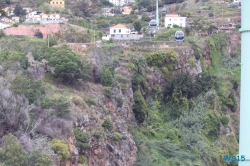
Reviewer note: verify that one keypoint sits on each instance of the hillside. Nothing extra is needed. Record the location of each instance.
(68, 99)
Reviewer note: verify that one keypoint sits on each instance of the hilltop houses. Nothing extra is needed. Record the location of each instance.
(174, 19)
(41, 17)
(121, 32)
(107, 12)
(120, 2)
(57, 3)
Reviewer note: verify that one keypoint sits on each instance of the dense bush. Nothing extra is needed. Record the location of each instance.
(167, 35)
(67, 64)
(107, 124)
(61, 149)
(139, 83)
(224, 120)
(139, 108)
(12, 56)
(33, 90)
(211, 125)
(60, 106)
(106, 76)
(163, 58)
(182, 86)
(12, 153)
(82, 139)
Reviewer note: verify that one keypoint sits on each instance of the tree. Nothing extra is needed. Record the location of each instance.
(106, 76)
(137, 25)
(139, 62)
(67, 65)
(12, 153)
(18, 11)
(139, 108)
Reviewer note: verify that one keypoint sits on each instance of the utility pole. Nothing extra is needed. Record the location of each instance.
(157, 13)
(48, 40)
(244, 135)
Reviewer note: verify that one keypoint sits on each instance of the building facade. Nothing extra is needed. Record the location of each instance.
(119, 29)
(2, 25)
(58, 3)
(120, 2)
(171, 20)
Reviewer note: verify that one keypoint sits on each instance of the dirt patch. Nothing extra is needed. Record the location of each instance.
(30, 30)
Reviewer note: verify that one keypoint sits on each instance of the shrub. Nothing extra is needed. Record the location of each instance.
(79, 102)
(61, 149)
(191, 62)
(106, 76)
(98, 134)
(91, 101)
(117, 137)
(51, 40)
(80, 136)
(2, 34)
(33, 90)
(12, 153)
(224, 120)
(37, 158)
(232, 103)
(162, 58)
(211, 125)
(108, 92)
(107, 124)
(119, 101)
(83, 159)
(60, 105)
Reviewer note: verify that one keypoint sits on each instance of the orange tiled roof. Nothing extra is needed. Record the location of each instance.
(119, 26)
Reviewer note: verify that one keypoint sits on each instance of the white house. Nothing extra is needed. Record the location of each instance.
(119, 29)
(120, 2)
(15, 19)
(121, 32)
(173, 19)
(2, 25)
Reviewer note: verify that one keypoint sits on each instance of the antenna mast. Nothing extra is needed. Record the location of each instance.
(157, 13)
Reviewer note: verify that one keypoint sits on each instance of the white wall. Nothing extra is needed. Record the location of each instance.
(170, 21)
(119, 31)
(2, 26)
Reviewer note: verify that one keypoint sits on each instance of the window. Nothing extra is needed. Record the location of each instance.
(120, 30)
(114, 31)
(53, 2)
(56, 2)
(169, 19)
(60, 2)
(121, 36)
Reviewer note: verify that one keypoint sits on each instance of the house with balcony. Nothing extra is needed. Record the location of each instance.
(174, 19)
